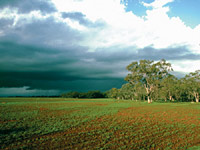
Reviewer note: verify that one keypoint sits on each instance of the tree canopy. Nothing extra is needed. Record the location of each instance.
(149, 74)
(149, 80)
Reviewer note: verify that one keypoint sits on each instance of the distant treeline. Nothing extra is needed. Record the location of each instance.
(89, 94)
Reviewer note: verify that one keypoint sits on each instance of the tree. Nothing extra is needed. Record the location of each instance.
(148, 73)
(168, 87)
(113, 93)
(94, 94)
(71, 95)
(89, 94)
(133, 92)
(193, 84)
(180, 90)
(126, 91)
(139, 91)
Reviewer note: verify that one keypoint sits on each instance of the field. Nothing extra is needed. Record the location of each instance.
(58, 123)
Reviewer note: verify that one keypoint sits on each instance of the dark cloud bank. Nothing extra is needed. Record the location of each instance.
(47, 69)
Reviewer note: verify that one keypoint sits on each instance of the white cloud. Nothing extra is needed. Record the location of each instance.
(157, 3)
(8, 13)
(155, 29)
(123, 28)
(186, 66)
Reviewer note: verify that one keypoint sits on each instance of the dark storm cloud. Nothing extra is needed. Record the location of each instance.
(26, 6)
(75, 16)
(81, 18)
(114, 54)
(44, 54)
(178, 53)
(45, 68)
(5, 23)
(56, 80)
(38, 68)
(39, 61)
(43, 32)
(68, 72)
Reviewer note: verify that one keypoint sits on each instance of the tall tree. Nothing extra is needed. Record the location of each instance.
(126, 91)
(113, 93)
(180, 90)
(193, 84)
(169, 87)
(148, 73)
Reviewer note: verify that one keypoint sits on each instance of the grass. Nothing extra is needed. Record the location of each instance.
(58, 123)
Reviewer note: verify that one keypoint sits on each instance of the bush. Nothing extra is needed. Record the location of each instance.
(89, 94)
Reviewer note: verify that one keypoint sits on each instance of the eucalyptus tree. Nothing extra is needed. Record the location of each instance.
(113, 93)
(127, 91)
(193, 84)
(133, 92)
(169, 86)
(148, 73)
(139, 91)
(180, 91)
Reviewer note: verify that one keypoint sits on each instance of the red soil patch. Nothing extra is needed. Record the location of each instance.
(6, 121)
(100, 104)
(42, 109)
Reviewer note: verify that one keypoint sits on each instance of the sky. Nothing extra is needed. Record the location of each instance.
(48, 47)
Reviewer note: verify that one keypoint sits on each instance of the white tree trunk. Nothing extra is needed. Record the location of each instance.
(197, 98)
(149, 100)
(170, 98)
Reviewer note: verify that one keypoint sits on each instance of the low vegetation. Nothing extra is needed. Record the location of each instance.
(62, 123)
(89, 94)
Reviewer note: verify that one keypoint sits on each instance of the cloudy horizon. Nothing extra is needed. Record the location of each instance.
(51, 46)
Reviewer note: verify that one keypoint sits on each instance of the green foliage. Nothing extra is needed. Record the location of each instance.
(71, 95)
(149, 74)
(89, 94)
(149, 80)
(192, 81)
(113, 93)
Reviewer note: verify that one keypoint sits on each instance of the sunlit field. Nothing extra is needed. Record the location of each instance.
(58, 123)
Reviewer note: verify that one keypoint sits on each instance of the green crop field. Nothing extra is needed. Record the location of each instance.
(58, 123)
